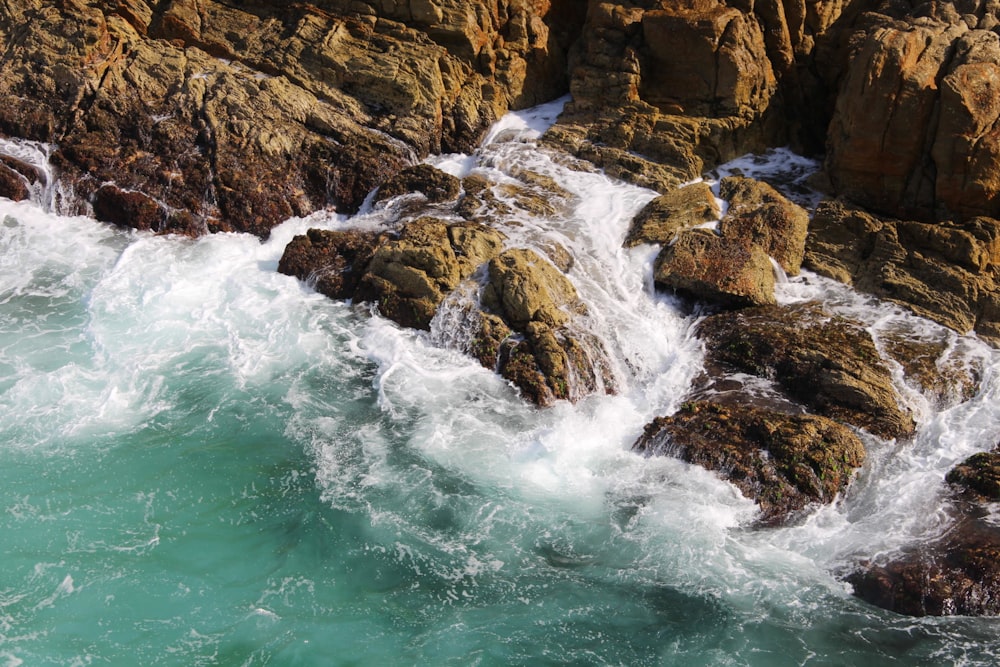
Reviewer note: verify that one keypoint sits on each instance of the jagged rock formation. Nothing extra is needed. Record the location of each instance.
(913, 134)
(946, 272)
(204, 115)
(518, 321)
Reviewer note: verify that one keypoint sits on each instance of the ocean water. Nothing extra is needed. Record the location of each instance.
(203, 462)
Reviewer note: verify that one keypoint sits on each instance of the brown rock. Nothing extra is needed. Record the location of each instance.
(827, 362)
(707, 266)
(944, 272)
(762, 216)
(958, 574)
(13, 185)
(128, 209)
(525, 288)
(435, 185)
(784, 462)
(662, 218)
(978, 475)
(333, 261)
(241, 116)
(912, 132)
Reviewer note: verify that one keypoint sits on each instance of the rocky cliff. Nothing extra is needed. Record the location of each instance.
(198, 116)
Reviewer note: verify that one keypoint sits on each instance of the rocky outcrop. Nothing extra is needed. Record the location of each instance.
(518, 317)
(226, 117)
(979, 475)
(784, 462)
(946, 272)
(826, 362)
(662, 219)
(730, 265)
(664, 91)
(912, 135)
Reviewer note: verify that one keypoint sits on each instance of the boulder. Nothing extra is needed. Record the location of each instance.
(945, 271)
(761, 216)
(665, 216)
(958, 574)
(128, 209)
(827, 362)
(409, 276)
(13, 185)
(784, 462)
(978, 475)
(332, 261)
(524, 288)
(703, 265)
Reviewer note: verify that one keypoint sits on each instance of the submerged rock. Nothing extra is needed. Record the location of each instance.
(827, 362)
(784, 462)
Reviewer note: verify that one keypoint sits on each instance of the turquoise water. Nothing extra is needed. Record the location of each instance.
(203, 462)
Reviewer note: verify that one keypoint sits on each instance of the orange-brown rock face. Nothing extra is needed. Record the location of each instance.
(914, 132)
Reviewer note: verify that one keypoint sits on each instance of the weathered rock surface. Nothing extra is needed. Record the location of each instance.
(945, 272)
(913, 132)
(705, 265)
(519, 322)
(978, 475)
(664, 91)
(782, 461)
(332, 261)
(759, 215)
(957, 573)
(730, 266)
(826, 362)
(667, 215)
(242, 116)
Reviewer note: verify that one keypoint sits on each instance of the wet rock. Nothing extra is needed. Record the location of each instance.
(759, 215)
(957, 574)
(944, 271)
(936, 367)
(662, 218)
(524, 288)
(128, 209)
(784, 462)
(408, 277)
(978, 475)
(827, 362)
(434, 184)
(332, 261)
(242, 116)
(703, 265)
(13, 185)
